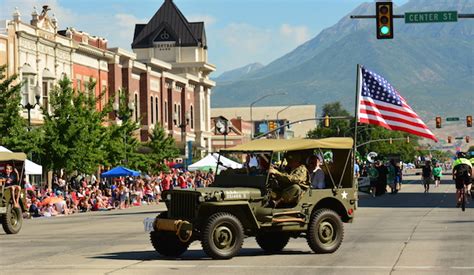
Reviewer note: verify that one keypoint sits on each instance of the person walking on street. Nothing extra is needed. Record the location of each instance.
(437, 173)
(427, 176)
(391, 177)
(373, 176)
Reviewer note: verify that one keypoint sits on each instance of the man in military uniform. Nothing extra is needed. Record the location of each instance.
(288, 186)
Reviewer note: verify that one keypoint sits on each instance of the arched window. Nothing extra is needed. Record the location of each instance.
(151, 110)
(136, 107)
(191, 109)
(157, 104)
(166, 111)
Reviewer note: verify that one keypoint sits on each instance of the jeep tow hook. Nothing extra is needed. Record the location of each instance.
(183, 229)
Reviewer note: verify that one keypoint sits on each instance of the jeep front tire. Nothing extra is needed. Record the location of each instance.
(167, 243)
(12, 220)
(222, 236)
(325, 231)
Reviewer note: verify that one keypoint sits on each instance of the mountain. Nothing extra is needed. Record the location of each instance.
(238, 73)
(431, 65)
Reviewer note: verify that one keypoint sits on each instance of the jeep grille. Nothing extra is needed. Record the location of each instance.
(183, 205)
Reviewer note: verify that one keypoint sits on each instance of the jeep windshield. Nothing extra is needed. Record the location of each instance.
(251, 169)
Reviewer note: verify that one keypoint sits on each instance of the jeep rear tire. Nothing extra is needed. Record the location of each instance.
(12, 220)
(167, 243)
(325, 231)
(222, 236)
(272, 241)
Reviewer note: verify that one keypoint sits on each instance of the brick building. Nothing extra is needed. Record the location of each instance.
(166, 75)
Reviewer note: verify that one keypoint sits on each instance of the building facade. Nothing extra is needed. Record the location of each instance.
(166, 75)
(186, 88)
(265, 118)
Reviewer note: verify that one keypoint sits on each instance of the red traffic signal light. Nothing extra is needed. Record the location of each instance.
(469, 121)
(438, 122)
(384, 20)
(449, 139)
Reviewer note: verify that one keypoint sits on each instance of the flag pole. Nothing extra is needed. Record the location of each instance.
(356, 113)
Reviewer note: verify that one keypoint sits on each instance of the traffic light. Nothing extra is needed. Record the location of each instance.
(469, 121)
(468, 139)
(384, 18)
(449, 139)
(326, 121)
(438, 122)
(271, 125)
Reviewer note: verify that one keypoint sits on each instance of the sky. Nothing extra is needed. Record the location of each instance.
(239, 32)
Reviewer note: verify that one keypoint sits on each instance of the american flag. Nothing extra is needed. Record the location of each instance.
(381, 104)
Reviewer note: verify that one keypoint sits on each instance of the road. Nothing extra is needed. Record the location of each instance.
(407, 233)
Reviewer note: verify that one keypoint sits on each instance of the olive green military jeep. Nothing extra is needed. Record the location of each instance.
(237, 204)
(10, 216)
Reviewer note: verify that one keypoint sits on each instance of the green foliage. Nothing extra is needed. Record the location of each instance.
(161, 147)
(337, 127)
(75, 135)
(14, 132)
(121, 146)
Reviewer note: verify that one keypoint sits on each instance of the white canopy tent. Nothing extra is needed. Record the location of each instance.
(210, 161)
(31, 168)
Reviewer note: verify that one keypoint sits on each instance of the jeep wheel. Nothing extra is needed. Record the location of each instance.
(167, 243)
(325, 232)
(272, 241)
(222, 236)
(12, 220)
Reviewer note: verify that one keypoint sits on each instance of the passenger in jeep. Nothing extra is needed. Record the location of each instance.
(288, 186)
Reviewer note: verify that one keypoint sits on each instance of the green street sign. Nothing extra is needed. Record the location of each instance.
(459, 138)
(452, 119)
(431, 17)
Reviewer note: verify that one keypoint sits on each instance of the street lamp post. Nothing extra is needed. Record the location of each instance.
(182, 125)
(124, 115)
(251, 106)
(28, 106)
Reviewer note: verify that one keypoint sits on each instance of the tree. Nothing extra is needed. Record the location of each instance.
(121, 146)
(337, 127)
(75, 134)
(14, 132)
(161, 147)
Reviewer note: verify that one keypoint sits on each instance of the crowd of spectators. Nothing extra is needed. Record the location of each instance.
(86, 193)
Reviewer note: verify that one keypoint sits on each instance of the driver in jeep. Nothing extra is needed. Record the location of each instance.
(288, 186)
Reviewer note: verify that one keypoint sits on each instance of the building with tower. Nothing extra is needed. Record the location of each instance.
(184, 92)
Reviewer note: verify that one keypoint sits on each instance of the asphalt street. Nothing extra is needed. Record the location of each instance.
(407, 233)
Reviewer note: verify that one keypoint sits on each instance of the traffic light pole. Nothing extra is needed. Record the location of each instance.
(462, 15)
(299, 121)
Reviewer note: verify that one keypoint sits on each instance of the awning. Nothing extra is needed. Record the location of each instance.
(283, 145)
(31, 168)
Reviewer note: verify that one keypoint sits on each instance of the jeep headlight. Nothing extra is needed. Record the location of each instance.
(201, 199)
(168, 197)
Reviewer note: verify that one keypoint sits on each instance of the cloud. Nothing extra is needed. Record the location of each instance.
(66, 17)
(126, 24)
(208, 20)
(239, 44)
(299, 33)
